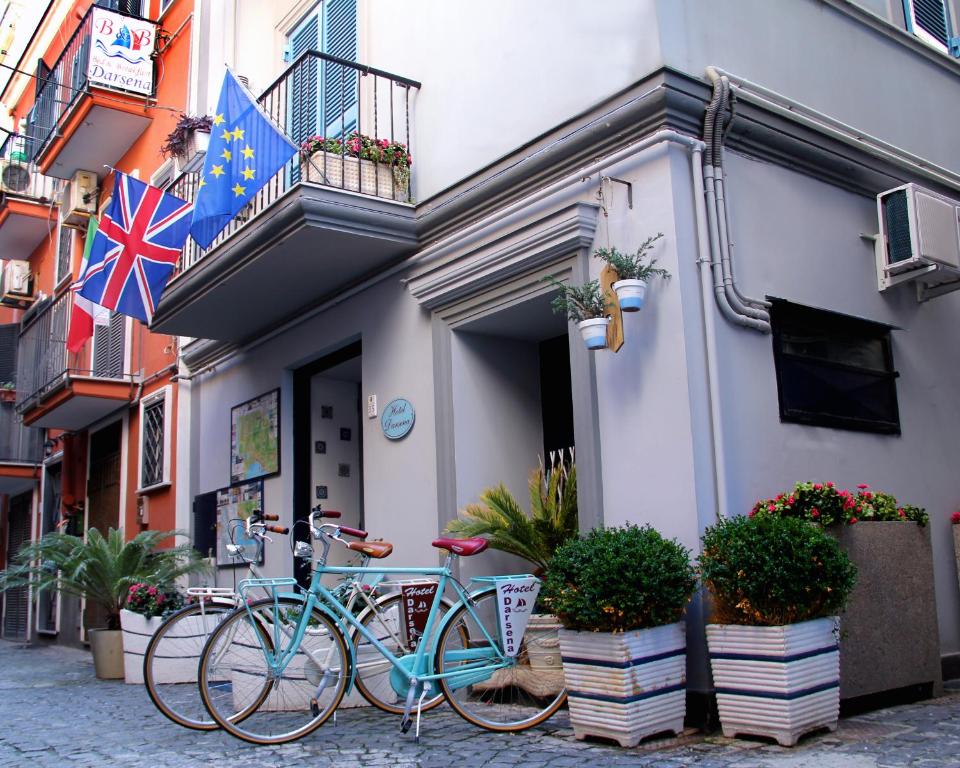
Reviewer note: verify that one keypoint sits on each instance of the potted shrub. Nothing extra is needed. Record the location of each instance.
(585, 305)
(620, 594)
(535, 537)
(381, 168)
(890, 621)
(101, 570)
(777, 584)
(634, 273)
(188, 141)
(146, 606)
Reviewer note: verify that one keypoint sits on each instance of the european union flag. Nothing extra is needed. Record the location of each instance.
(246, 150)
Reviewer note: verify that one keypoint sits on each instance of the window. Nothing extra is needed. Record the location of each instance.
(834, 370)
(155, 414)
(131, 7)
(929, 20)
(64, 253)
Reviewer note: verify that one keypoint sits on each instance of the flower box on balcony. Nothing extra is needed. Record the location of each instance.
(360, 164)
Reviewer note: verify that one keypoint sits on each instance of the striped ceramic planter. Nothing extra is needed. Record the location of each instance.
(180, 659)
(780, 682)
(625, 686)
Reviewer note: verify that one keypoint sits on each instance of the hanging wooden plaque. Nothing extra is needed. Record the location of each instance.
(615, 330)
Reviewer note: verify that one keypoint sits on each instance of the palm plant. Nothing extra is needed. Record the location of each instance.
(101, 569)
(534, 537)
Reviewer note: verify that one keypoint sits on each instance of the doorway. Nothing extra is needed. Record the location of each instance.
(103, 498)
(16, 602)
(328, 443)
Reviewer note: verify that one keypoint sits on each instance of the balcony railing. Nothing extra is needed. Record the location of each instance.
(66, 83)
(331, 97)
(43, 360)
(19, 178)
(18, 444)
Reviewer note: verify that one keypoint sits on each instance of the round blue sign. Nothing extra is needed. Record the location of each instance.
(397, 418)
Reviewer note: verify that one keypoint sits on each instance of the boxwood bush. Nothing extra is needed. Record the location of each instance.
(768, 571)
(618, 579)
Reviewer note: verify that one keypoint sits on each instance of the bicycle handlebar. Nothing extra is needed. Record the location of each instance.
(270, 517)
(277, 529)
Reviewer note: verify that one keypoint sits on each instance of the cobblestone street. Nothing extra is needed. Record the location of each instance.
(56, 713)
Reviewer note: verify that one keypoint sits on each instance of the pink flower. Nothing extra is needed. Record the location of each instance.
(791, 499)
(868, 495)
(751, 513)
(771, 507)
(159, 599)
(852, 520)
(904, 514)
(863, 486)
(849, 504)
(151, 591)
(814, 513)
(955, 518)
(829, 484)
(818, 486)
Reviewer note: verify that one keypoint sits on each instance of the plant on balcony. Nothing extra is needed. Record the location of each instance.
(827, 505)
(633, 271)
(179, 140)
(587, 306)
(392, 156)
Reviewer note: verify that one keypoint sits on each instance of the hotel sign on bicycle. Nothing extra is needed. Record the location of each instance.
(515, 600)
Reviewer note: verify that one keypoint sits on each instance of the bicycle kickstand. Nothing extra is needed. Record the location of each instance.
(426, 689)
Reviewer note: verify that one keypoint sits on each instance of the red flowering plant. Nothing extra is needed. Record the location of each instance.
(826, 505)
(955, 518)
(152, 600)
(392, 153)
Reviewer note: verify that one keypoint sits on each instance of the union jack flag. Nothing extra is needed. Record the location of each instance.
(136, 247)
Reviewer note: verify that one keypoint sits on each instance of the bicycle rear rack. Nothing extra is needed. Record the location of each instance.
(269, 586)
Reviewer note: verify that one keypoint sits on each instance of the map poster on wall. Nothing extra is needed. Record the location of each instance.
(234, 505)
(255, 438)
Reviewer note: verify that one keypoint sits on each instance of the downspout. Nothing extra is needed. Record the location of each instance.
(733, 307)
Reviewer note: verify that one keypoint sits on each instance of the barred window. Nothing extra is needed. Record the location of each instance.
(64, 252)
(155, 439)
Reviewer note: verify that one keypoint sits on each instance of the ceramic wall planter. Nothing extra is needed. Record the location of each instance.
(630, 294)
(594, 332)
(107, 647)
(780, 682)
(890, 623)
(626, 686)
(354, 175)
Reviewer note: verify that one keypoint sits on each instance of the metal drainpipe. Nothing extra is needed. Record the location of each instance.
(715, 201)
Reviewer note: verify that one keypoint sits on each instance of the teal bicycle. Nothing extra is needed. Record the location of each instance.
(266, 686)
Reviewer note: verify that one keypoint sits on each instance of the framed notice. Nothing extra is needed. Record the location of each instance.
(234, 506)
(255, 438)
(121, 52)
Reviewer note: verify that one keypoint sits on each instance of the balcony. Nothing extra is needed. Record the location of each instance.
(21, 451)
(92, 106)
(51, 393)
(323, 222)
(25, 199)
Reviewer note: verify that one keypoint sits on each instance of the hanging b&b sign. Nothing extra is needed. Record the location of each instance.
(515, 601)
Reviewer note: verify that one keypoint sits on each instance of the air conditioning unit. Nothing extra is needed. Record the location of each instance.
(16, 282)
(919, 240)
(14, 176)
(79, 199)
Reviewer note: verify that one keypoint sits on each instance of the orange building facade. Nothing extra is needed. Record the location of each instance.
(86, 438)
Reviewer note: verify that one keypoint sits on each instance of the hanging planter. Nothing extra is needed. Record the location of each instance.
(586, 305)
(633, 271)
(594, 332)
(630, 294)
(188, 141)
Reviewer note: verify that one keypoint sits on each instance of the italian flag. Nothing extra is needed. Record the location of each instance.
(85, 313)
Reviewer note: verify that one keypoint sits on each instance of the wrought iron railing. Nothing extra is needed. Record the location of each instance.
(43, 362)
(18, 444)
(65, 84)
(19, 177)
(323, 95)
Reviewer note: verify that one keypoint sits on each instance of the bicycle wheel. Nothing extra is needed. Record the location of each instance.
(171, 659)
(255, 698)
(373, 670)
(512, 698)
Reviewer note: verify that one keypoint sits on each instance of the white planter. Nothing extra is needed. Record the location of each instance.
(196, 151)
(779, 682)
(543, 646)
(626, 686)
(180, 650)
(352, 174)
(594, 332)
(630, 294)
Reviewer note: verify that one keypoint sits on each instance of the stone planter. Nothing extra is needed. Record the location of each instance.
(625, 686)
(889, 628)
(107, 647)
(180, 659)
(352, 174)
(779, 682)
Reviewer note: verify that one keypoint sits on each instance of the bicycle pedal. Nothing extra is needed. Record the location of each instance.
(315, 707)
(405, 724)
